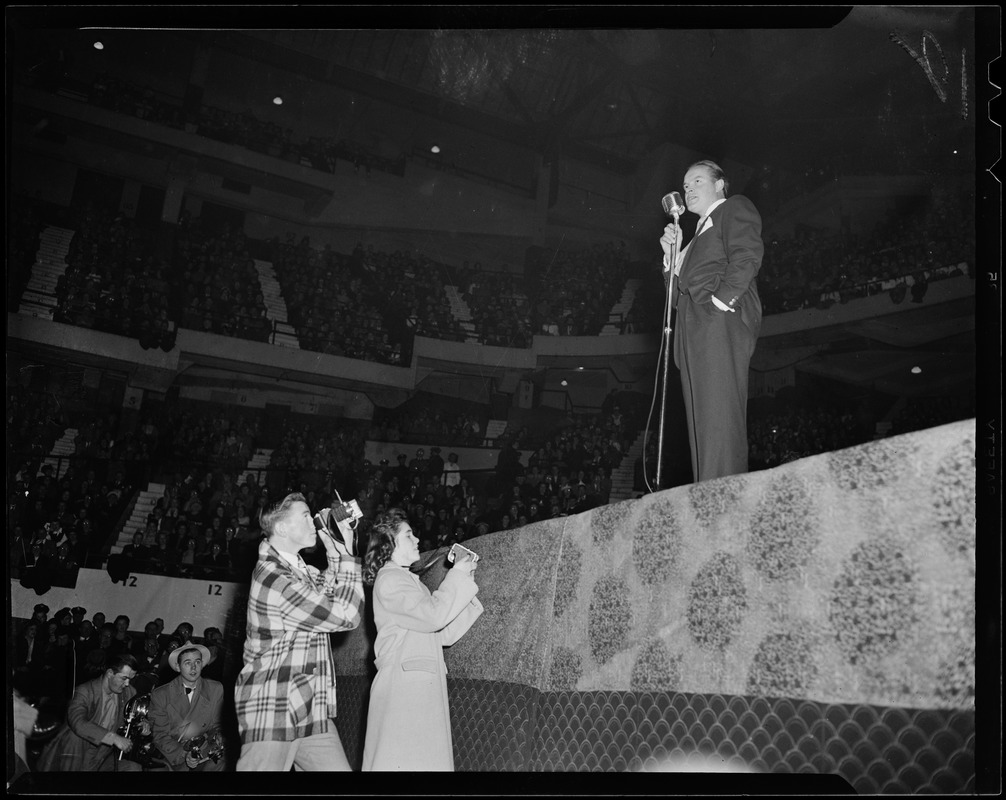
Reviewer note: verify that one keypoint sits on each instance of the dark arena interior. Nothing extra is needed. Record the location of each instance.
(411, 257)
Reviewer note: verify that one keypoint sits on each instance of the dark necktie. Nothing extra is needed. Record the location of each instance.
(188, 694)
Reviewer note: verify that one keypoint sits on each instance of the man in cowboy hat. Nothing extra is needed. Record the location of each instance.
(187, 707)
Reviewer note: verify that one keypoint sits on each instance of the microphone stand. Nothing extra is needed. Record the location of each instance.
(668, 329)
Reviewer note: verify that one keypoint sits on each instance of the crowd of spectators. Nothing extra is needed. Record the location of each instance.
(225, 438)
(790, 433)
(113, 281)
(54, 652)
(204, 526)
(59, 510)
(904, 251)
(920, 413)
(125, 97)
(427, 422)
(320, 457)
(565, 293)
(219, 290)
(55, 523)
(332, 308)
(368, 304)
(500, 307)
(579, 287)
(413, 285)
(568, 473)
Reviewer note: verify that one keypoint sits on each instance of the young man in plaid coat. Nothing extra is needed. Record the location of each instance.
(285, 694)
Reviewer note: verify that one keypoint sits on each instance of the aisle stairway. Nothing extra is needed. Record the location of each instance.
(494, 429)
(275, 305)
(64, 447)
(621, 308)
(623, 478)
(39, 298)
(137, 521)
(260, 460)
(461, 311)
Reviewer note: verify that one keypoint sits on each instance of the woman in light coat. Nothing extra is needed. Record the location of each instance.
(409, 720)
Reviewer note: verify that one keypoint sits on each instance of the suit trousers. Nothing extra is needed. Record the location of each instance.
(322, 752)
(714, 350)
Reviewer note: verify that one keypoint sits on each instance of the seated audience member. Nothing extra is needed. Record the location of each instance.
(148, 659)
(183, 632)
(87, 741)
(164, 558)
(214, 641)
(59, 678)
(164, 671)
(187, 559)
(29, 660)
(40, 614)
(99, 656)
(122, 641)
(186, 714)
(137, 551)
(78, 613)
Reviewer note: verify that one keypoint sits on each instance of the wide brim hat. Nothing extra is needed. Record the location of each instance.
(173, 655)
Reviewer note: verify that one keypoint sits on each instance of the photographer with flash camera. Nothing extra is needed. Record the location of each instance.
(285, 694)
(409, 719)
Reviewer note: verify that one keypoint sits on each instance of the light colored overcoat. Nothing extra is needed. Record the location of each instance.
(409, 719)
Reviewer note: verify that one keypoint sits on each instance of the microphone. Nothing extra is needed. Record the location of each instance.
(673, 205)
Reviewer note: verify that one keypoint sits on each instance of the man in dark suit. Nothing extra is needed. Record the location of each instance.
(718, 318)
(187, 707)
(88, 740)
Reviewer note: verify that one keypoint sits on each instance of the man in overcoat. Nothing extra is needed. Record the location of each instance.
(185, 708)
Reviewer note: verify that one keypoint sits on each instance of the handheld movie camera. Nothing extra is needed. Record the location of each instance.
(452, 554)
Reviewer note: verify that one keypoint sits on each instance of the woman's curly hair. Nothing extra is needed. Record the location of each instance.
(382, 542)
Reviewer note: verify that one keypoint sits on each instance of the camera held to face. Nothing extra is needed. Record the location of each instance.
(347, 511)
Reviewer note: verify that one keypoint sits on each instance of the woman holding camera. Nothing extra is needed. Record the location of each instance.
(409, 721)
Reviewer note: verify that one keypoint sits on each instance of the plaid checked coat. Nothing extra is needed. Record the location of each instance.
(286, 689)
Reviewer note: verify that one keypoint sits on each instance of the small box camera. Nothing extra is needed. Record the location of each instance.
(452, 554)
(344, 511)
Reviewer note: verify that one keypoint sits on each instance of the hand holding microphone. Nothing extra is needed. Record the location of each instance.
(674, 206)
(672, 235)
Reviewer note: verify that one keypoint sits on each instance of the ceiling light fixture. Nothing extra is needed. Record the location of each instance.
(435, 148)
(99, 46)
(277, 100)
(916, 370)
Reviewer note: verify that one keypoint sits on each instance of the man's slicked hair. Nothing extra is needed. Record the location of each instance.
(276, 512)
(715, 170)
